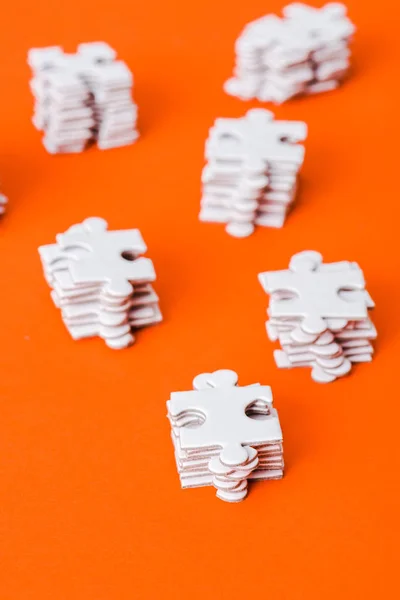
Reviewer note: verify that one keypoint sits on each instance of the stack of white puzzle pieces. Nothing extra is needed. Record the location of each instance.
(305, 52)
(225, 435)
(319, 314)
(82, 98)
(101, 282)
(3, 204)
(251, 175)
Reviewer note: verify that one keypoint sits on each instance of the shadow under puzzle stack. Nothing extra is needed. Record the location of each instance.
(82, 98)
(101, 282)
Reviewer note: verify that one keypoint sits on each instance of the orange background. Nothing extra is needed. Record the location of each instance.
(90, 503)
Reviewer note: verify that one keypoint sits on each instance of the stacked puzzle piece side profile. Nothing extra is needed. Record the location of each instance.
(319, 313)
(305, 52)
(225, 434)
(82, 98)
(101, 282)
(251, 175)
(3, 204)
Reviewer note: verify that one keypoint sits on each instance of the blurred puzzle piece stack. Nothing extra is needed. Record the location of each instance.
(251, 175)
(305, 52)
(3, 204)
(82, 98)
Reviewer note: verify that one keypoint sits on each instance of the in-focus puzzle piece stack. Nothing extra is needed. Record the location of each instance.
(225, 435)
(319, 314)
(251, 175)
(82, 98)
(305, 52)
(101, 282)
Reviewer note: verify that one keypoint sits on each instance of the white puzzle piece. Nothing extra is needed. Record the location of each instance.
(315, 292)
(325, 24)
(256, 139)
(111, 257)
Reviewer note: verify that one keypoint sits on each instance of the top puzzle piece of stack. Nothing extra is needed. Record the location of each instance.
(319, 314)
(101, 282)
(225, 434)
(305, 52)
(82, 98)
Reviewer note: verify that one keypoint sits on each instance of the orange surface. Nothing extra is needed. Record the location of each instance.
(90, 504)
